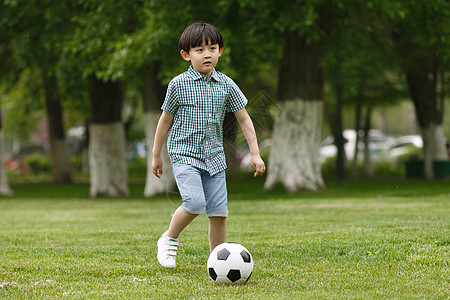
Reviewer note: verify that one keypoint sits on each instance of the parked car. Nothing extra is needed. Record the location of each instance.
(379, 145)
(244, 157)
(402, 145)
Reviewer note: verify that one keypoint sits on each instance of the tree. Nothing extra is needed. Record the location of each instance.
(420, 33)
(246, 56)
(108, 171)
(100, 26)
(147, 58)
(360, 64)
(153, 93)
(302, 26)
(142, 59)
(5, 67)
(36, 29)
(4, 185)
(296, 134)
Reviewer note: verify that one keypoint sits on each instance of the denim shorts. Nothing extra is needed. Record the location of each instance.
(201, 192)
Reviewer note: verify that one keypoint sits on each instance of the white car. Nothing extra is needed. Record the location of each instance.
(379, 145)
(245, 161)
(403, 144)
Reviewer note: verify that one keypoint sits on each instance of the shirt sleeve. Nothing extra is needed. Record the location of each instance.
(236, 99)
(170, 104)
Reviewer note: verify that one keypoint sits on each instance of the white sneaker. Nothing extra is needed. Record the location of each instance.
(167, 251)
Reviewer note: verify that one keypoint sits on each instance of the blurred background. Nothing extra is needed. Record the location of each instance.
(338, 90)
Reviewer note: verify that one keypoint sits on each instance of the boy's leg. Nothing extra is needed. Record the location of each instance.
(180, 220)
(189, 182)
(215, 189)
(190, 186)
(168, 243)
(217, 231)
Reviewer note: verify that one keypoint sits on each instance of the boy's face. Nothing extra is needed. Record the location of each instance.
(203, 58)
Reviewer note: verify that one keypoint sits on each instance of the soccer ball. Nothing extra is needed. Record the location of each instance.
(230, 263)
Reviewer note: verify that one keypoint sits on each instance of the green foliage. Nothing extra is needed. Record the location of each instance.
(381, 169)
(120, 39)
(21, 106)
(76, 163)
(137, 168)
(386, 169)
(420, 28)
(38, 163)
(98, 25)
(37, 32)
(329, 169)
(413, 154)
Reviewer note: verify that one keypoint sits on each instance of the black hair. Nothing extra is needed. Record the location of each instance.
(195, 34)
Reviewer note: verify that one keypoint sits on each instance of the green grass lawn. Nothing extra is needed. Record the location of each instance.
(377, 240)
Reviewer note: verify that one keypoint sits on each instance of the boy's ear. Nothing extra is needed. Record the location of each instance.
(220, 51)
(185, 55)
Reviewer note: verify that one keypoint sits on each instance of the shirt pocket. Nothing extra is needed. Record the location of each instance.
(189, 113)
(187, 108)
(186, 98)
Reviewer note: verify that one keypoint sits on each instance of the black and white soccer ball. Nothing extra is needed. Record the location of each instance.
(230, 263)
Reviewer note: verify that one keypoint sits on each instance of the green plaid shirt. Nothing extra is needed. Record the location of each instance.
(199, 104)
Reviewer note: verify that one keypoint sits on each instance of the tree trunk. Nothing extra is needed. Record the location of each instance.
(294, 157)
(108, 170)
(358, 113)
(153, 96)
(339, 138)
(368, 166)
(154, 185)
(423, 88)
(422, 71)
(434, 147)
(229, 143)
(58, 147)
(4, 185)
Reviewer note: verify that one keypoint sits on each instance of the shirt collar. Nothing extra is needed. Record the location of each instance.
(197, 76)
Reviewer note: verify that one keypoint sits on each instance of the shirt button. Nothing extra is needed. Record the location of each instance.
(206, 142)
(210, 115)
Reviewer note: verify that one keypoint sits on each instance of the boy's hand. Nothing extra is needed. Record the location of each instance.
(157, 166)
(257, 164)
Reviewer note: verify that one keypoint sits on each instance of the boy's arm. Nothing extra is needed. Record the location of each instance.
(249, 132)
(164, 124)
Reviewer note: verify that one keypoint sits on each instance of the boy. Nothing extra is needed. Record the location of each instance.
(193, 112)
